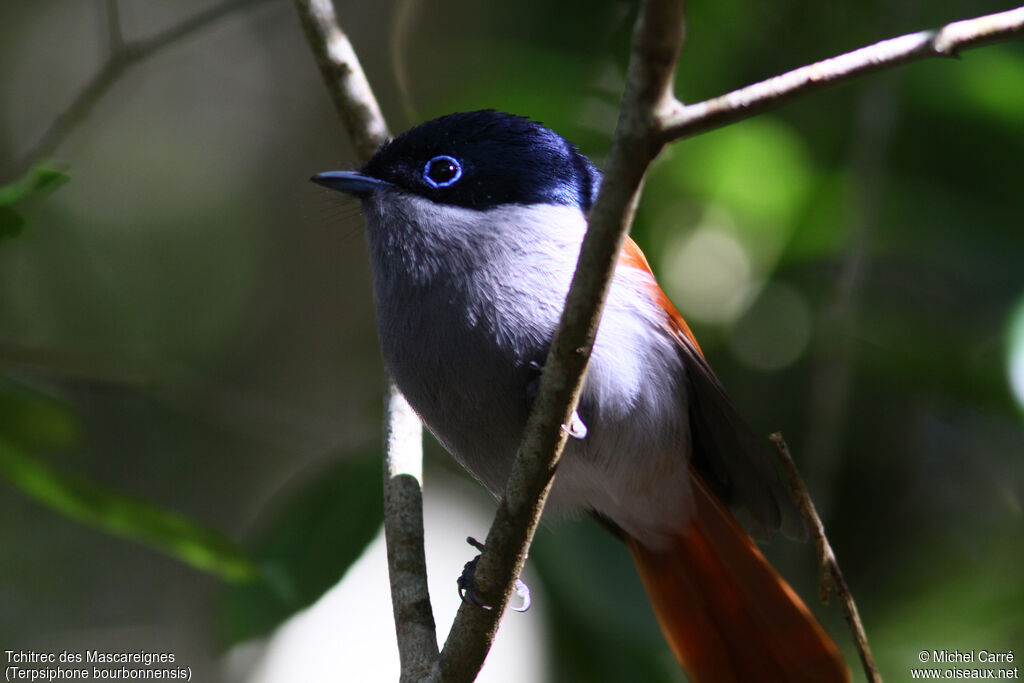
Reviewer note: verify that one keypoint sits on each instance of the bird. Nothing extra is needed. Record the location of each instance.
(474, 224)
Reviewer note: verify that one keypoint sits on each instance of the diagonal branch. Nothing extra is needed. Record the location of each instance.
(657, 40)
(122, 56)
(758, 97)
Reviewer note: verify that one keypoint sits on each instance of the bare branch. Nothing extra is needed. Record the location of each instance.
(403, 531)
(656, 43)
(344, 76)
(123, 55)
(756, 98)
(831, 576)
(403, 432)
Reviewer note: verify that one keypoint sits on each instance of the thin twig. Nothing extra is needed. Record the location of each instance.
(403, 533)
(122, 56)
(403, 433)
(756, 98)
(831, 578)
(657, 40)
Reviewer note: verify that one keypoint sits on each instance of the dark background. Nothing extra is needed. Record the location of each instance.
(190, 386)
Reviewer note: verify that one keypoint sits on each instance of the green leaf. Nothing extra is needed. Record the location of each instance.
(37, 181)
(47, 179)
(309, 541)
(130, 518)
(40, 179)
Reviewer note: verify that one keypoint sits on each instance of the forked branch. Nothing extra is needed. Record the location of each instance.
(121, 56)
(753, 99)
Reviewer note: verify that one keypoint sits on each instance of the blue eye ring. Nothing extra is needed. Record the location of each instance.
(453, 167)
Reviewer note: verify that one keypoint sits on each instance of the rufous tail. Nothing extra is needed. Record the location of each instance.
(727, 614)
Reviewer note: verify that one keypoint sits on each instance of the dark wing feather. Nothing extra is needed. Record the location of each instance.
(738, 466)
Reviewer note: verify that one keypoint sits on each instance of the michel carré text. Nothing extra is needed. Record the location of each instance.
(143, 657)
(970, 656)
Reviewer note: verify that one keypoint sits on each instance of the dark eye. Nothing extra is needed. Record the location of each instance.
(442, 171)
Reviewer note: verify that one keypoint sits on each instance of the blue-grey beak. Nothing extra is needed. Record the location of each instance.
(351, 182)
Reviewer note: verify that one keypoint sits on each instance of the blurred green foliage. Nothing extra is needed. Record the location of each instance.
(310, 536)
(32, 419)
(131, 518)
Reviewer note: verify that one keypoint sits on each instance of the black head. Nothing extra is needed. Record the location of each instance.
(479, 160)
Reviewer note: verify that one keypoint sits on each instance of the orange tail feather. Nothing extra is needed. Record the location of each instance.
(728, 616)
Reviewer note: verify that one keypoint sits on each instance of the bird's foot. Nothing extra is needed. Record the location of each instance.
(467, 586)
